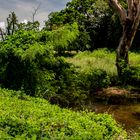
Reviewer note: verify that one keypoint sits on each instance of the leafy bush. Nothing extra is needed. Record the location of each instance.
(94, 79)
(62, 38)
(74, 87)
(23, 117)
(28, 60)
(131, 75)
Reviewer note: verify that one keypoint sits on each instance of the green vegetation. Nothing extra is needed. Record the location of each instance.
(28, 60)
(63, 64)
(23, 117)
(98, 59)
(101, 59)
(105, 60)
(31, 61)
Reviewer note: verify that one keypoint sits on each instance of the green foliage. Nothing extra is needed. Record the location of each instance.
(131, 76)
(34, 118)
(94, 79)
(11, 26)
(28, 60)
(62, 38)
(29, 26)
(98, 59)
(104, 60)
(95, 22)
(11, 23)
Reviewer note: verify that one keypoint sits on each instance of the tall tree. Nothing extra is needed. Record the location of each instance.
(94, 21)
(11, 26)
(130, 19)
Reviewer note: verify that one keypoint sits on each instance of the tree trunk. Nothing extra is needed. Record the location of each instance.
(130, 19)
(122, 58)
(128, 34)
(2, 34)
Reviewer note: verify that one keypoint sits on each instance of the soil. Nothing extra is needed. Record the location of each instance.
(115, 95)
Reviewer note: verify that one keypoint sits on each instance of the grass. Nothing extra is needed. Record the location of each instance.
(24, 117)
(134, 59)
(102, 59)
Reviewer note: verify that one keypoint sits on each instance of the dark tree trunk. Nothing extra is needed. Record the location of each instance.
(2, 34)
(122, 56)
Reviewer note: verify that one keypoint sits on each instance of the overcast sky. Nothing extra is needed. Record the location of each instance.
(24, 8)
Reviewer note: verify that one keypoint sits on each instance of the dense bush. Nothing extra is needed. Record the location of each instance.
(28, 60)
(131, 76)
(94, 79)
(23, 117)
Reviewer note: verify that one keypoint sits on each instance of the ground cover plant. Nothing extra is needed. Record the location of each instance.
(100, 58)
(24, 117)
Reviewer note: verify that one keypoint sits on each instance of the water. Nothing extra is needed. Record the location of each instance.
(126, 115)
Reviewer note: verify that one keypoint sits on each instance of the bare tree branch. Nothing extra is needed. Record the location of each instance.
(120, 10)
(35, 12)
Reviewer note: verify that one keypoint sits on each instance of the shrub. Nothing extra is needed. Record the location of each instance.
(131, 76)
(35, 118)
(28, 60)
(94, 79)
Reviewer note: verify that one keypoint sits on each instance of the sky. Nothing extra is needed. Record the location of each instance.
(25, 8)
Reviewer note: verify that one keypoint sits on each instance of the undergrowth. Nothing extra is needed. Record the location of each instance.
(24, 117)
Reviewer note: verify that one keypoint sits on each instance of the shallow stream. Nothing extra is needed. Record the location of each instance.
(126, 115)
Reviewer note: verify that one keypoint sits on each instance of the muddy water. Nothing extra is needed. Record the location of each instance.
(126, 115)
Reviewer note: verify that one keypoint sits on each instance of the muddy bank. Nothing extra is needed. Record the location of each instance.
(116, 96)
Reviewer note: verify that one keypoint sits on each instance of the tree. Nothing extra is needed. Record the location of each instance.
(2, 34)
(11, 23)
(35, 12)
(130, 19)
(11, 26)
(94, 22)
(29, 26)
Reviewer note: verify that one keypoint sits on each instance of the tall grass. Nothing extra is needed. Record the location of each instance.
(102, 59)
(134, 59)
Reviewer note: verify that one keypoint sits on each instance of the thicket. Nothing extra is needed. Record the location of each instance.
(98, 25)
(28, 60)
(24, 117)
(31, 61)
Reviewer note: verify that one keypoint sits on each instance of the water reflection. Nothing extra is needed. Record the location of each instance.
(126, 115)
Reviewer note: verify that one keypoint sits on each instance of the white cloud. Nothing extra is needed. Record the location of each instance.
(2, 25)
(24, 21)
